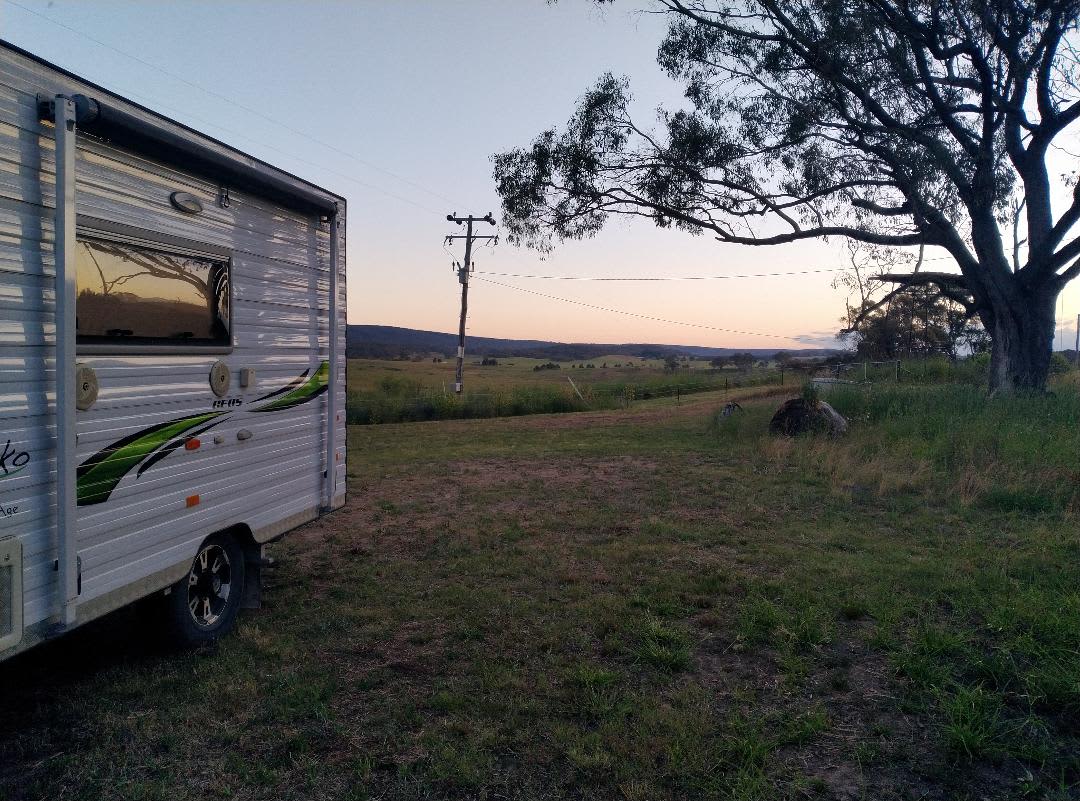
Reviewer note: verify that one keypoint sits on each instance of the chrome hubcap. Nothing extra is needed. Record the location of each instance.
(209, 585)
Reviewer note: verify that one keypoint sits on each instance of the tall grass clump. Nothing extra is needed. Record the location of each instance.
(941, 370)
(1017, 453)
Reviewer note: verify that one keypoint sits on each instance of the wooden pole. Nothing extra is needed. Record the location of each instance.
(463, 277)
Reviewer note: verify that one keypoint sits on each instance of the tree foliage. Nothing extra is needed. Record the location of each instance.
(906, 322)
(918, 322)
(895, 123)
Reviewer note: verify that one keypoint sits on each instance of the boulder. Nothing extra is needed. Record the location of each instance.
(799, 415)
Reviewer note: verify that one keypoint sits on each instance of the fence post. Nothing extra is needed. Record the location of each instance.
(897, 371)
(568, 378)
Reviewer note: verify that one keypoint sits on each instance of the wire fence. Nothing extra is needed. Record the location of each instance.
(435, 404)
(424, 403)
(899, 371)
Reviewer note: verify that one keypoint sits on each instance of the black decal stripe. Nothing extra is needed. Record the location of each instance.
(172, 446)
(290, 386)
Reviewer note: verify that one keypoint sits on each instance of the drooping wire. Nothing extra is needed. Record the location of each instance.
(633, 314)
(234, 102)
(316, 165)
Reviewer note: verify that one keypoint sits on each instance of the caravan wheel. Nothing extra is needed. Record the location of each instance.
(204, 604)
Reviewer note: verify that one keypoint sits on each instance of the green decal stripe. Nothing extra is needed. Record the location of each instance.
(315, 386)
(98, 476)
(174, 445)
(14, 472)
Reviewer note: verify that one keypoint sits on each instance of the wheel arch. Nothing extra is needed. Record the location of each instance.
(241, 532)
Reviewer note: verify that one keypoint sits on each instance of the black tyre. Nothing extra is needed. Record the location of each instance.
(203, 605)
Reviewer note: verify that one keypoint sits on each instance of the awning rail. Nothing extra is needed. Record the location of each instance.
(159, 141)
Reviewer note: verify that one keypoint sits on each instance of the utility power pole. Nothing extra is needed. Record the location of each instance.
(463, 271)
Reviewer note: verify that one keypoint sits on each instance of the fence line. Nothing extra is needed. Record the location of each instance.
(435, 404)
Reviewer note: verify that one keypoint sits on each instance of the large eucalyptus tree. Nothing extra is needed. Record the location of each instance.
(893, 122)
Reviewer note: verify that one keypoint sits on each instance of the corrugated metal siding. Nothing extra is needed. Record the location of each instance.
(279, 308)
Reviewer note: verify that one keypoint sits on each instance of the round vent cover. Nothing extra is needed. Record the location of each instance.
(219, 378)
(185, 202)
(86, 387)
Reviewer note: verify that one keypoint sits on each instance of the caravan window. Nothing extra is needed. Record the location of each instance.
(145, 296)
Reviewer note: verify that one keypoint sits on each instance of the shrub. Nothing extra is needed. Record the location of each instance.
(399, 386)
(1059, 364)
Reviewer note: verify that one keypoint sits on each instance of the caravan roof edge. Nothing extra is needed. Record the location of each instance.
(304, 187)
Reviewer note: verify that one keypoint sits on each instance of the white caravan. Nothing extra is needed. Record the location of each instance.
(172, 314)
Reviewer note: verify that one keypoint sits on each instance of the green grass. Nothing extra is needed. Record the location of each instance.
(367, 375)
(1012, 454)
(382, 391)
(397, 403)
(653, 603)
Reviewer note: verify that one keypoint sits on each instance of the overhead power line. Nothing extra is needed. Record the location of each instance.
(724, 277)
(637, 278)
(233, 102)
(664, 277)
(634, 314)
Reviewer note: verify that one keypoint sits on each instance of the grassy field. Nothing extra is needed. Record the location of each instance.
(370, 375)
(649, 603)
(382, 391)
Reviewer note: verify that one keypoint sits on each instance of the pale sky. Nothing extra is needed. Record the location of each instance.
(398, 107)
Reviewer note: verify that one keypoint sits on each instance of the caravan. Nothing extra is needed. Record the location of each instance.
(172, 360)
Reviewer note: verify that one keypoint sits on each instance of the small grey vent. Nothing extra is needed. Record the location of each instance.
(10, 593)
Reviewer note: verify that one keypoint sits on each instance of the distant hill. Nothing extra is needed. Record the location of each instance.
(389, 342)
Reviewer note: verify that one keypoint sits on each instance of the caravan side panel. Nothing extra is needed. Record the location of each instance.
(260, 459)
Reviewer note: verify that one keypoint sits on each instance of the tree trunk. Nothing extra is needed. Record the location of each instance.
(1022, 341)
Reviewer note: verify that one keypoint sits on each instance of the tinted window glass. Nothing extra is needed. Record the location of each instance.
(129, 293)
